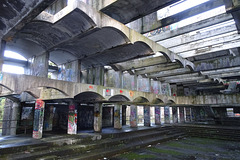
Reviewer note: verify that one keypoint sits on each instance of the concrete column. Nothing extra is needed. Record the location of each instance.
(157, 115)
(147, 121)
(38, 66)
(99, 76)
(175, 114)
(10, 117)
(14, 119)
(2, 49)
(38, 119)
(188, 114)
(166, 115)
(117, 116)
(181, 115)
(133, 116)
(97, 117)
(72, 119)
(48, 122)
(193, 114)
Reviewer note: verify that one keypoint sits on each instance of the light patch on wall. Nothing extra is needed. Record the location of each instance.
(11, 54)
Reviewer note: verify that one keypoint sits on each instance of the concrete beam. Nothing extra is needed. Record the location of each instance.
(182, 76)
(224, 75)
(211, 87)
(141, 62)
(192, 27)
(210, 49)
(189, 38)
(169, 73)
(219, 71)
(206, 42)
(186, 80)
(226, 62)
(126, 11)
(183, 15)
(157, 68)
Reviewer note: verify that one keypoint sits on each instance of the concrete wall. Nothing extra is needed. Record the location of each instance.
(69, 71)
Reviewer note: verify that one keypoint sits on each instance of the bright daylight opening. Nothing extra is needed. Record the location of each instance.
(12, 68)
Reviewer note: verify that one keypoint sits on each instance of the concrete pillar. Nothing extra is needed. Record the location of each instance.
(193, 114)
(38, 119)
(181, 115)
(48, 122)
(175, 114)
(38, 66)
(147, 121)
(166, 115)
(133, 116)
(117, 116)
(2, 49)
(72, 119)
(99, 76)
(157, 115)
(188, 114)
(97, 117)
(10, 117)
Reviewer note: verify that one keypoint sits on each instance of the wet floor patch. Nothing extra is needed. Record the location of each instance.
(186, 149)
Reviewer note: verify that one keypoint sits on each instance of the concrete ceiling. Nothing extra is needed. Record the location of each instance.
(77, 36)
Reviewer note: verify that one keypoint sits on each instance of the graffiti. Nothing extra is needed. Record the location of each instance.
(157, 115)
(147, 116)
(166, 114)
(133, 116)
(38, 119)
(155, 87)
(188, 114)
(143, 84)
(166, 89)
(131, 93)
(48, 122)
(72, 120)
(175, 114)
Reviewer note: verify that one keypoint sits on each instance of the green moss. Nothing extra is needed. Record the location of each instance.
(165, 151)
(136, 156)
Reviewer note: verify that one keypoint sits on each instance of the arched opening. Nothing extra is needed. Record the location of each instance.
(85, 109)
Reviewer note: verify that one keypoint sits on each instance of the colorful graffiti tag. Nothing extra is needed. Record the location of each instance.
(38, 119)
(72, 120)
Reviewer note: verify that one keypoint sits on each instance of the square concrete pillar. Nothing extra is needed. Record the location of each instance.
(48, 122)
(188, 114)
(38, 119)
(133, 116)
(181, 115)
(147, 121)
(157, 115)
(117, 116)
(167, 115)
(72, 119)
(175, 114)
(97, 117)
(14, 119)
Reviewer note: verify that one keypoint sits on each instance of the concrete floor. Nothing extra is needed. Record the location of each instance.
(186, 149)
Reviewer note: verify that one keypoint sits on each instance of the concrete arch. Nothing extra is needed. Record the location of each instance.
(6, 88)
(157, 101)
(141, 99)
(89, 97)
(170, 101)
(119, 98)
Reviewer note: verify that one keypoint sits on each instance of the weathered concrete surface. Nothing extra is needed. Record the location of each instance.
(192, 27)
(126, 11)
(14, 14)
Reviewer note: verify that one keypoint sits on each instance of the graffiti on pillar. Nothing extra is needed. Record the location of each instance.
(188, 114)
(157, 115)
(175, 114)
(166, 114)
(133, 116)
(72, 120)
(1, 77)
(38, 119)
(147, 116)
(181, 114)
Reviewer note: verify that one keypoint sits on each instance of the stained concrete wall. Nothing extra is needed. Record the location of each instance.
(69, 71)
(38, 66)
(113, 79)
(129, 81)
(143, 84)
